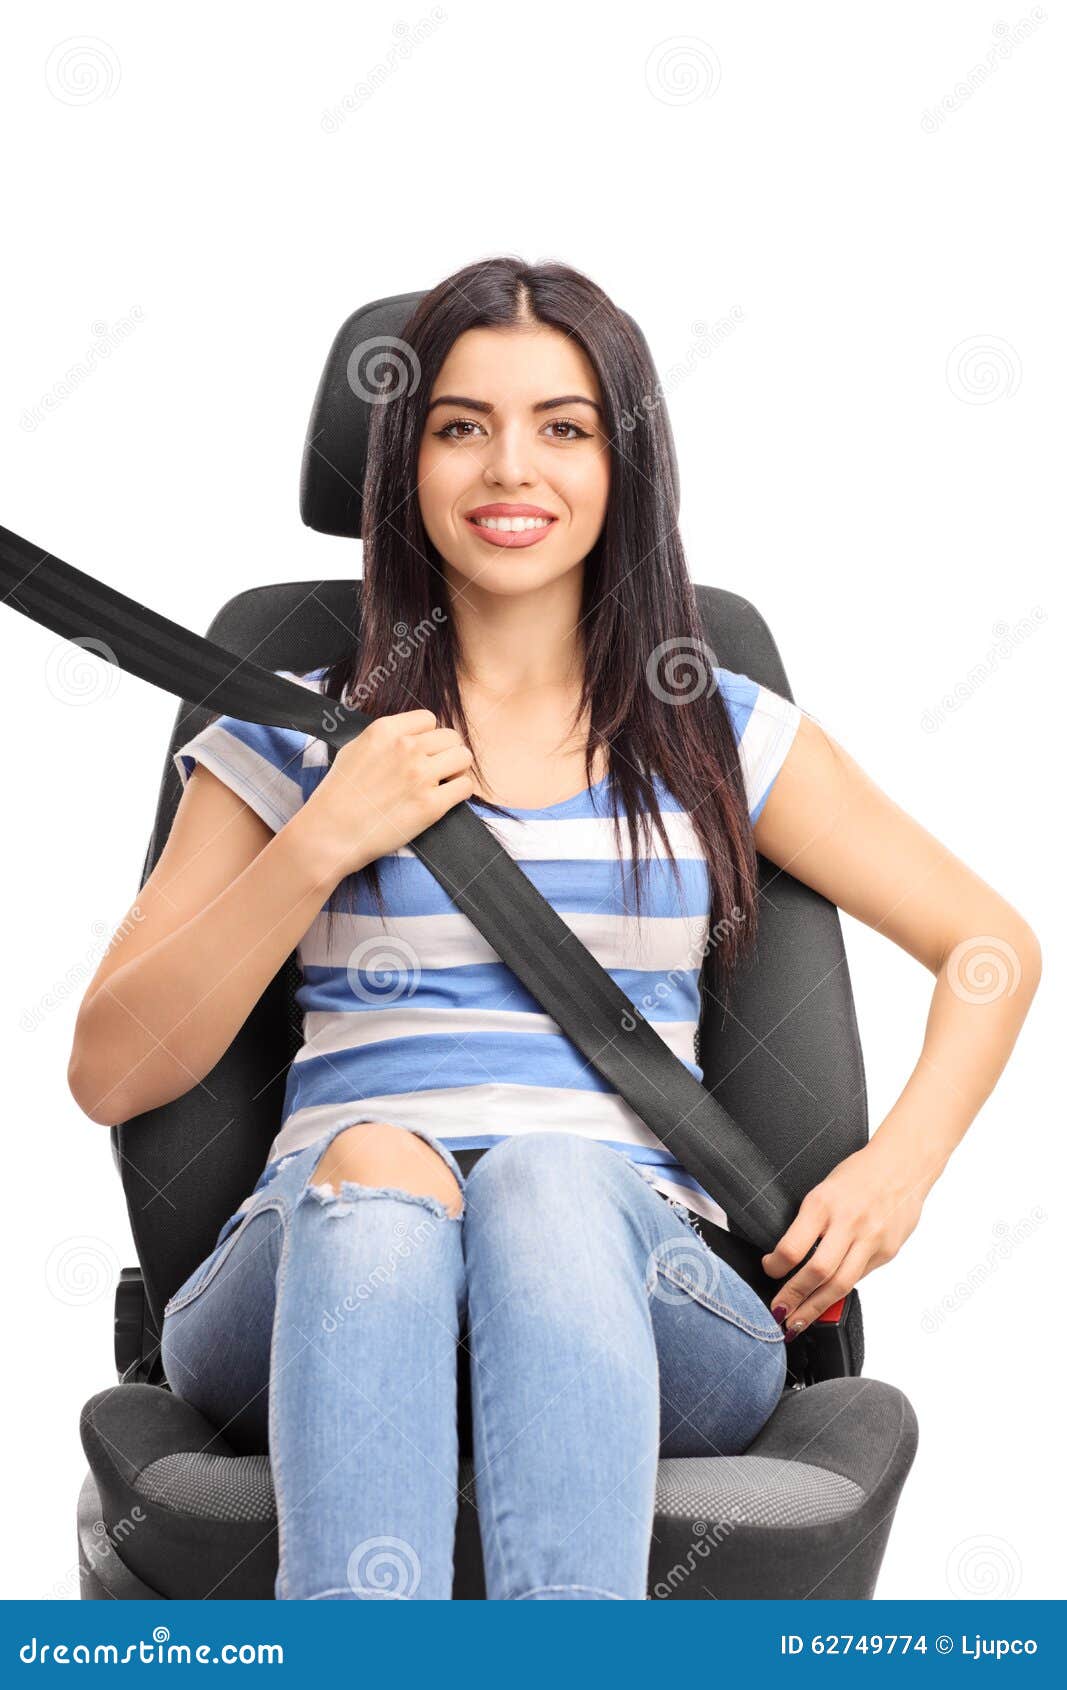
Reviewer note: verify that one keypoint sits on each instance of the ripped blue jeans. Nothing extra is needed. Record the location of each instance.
(602, 1333)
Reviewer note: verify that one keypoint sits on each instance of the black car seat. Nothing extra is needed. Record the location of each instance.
(171, 1507)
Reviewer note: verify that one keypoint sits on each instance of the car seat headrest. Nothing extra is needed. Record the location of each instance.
(335, 448)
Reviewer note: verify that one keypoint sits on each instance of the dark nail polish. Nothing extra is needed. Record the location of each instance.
(779, 1312)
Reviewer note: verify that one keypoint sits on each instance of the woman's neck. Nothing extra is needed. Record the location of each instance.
(519, 669)
(512, 644)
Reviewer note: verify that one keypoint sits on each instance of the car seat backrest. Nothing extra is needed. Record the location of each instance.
(784, 1059)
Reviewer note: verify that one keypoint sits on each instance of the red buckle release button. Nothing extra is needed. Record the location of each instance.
(832, 1315)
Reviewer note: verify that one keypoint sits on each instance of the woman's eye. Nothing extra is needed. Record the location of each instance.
(465, 423)
(457, 422)
(565, 422)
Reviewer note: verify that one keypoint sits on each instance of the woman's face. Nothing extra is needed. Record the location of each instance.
(514, 432)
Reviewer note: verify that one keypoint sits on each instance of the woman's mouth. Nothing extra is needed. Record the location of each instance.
(510, 525)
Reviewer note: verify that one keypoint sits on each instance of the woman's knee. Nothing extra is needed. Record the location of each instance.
(543, 1154)
(378, 1154)
(546, 1174)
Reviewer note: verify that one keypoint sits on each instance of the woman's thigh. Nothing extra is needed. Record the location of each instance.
(721, 1354)
(216, 1335)
(561, 1218)
(218, 1326)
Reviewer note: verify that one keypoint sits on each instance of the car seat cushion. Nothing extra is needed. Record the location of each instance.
(811, 1498)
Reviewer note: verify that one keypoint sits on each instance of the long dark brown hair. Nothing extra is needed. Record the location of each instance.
(648, 684)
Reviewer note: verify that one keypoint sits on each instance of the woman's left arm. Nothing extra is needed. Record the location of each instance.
(829, 825)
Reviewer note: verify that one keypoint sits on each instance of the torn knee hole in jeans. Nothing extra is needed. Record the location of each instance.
(686, 1215)
(673, 1203)
(340, 1200)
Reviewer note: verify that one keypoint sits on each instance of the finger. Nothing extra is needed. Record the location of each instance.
(416, 721)
(451, 792)
(438, 740)
(793, 1245)
(451, 761)
(831, 1252)
(851, 1271)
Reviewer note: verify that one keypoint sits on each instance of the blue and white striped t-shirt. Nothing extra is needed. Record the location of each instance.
(418, 1022)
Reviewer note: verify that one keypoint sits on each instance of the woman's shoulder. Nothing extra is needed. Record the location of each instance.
(272, 768)
(764, 724)
(312, 678)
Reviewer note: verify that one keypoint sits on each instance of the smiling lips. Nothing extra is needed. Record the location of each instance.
(510, 525)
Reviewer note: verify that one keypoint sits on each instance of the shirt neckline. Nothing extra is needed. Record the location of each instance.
(576, 800)
(564, 804)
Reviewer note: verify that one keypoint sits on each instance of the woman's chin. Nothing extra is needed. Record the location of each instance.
(510, 572)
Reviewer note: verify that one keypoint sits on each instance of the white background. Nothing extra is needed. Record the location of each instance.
(207, 194)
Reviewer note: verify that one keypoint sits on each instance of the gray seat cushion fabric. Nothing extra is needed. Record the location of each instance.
(212, 1487)
(805, 1512)
(753, 1490)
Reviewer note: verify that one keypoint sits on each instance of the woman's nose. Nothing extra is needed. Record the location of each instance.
(508, 459)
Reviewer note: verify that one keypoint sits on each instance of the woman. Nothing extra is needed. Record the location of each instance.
(524, 605)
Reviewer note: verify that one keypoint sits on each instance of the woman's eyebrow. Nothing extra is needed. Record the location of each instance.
(542, 404)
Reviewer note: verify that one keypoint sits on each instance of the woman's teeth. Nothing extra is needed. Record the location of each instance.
(511, 524)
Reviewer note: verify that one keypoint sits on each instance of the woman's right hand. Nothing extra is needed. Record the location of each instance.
(398, 777)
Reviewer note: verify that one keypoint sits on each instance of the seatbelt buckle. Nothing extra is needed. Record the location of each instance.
(824, 1350)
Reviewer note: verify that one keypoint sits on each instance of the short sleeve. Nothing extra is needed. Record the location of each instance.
(764, 725)
(263, 765)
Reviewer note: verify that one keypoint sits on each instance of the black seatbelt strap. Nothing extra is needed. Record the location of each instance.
(464, 858)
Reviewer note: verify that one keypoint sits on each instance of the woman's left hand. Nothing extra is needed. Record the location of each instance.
(861, 1213)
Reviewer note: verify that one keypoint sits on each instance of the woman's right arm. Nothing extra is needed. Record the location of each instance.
(228, 901)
